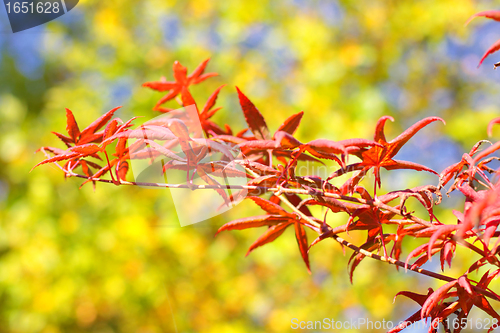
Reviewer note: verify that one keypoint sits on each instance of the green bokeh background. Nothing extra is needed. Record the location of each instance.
(115, 259)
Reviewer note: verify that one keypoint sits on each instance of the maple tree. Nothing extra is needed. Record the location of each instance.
(269, 161)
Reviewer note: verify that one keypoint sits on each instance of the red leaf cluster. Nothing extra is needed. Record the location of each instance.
(269, 161)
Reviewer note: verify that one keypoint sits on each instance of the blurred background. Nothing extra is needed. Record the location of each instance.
(116, 259)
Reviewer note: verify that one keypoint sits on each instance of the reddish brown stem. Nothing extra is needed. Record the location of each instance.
(333, 236)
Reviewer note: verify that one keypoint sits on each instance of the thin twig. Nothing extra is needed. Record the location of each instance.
(279, 190)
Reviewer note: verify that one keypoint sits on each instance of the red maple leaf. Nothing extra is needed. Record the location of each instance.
(207, 112)
(82, 144)
(383, 156)
(182, 80)
(89, 134)
(277, 220)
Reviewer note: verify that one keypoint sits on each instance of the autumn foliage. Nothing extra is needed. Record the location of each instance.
(102, 153)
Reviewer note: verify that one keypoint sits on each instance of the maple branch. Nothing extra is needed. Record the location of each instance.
(296, 192)
(279, 190)
(386, 259)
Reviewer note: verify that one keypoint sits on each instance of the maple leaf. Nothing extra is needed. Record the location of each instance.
(473, 164)
(74, 157)
(420, 299)
(483, 210)
(182, 80)
(73, 153)
(371, 218)
(253, 117)
(137, 150)
(277, 220)
(291, 124)
(210, 127)
(284, 146)
(263, 145)
(174, 132)
(383, 156)
(434, 305)
(257, 124)
(88, 135)
(122, 154)
(424, 195)
(194, 149)
(81, 144)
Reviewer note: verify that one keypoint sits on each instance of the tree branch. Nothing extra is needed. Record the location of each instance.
(279, 190)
